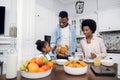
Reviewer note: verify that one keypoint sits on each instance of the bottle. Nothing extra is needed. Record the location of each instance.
(11, 64)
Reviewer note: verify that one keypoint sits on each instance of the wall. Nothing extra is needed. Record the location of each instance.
(44, 23)
(10, 14)
(35, 20)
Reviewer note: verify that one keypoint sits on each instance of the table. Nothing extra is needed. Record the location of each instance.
(59, 74)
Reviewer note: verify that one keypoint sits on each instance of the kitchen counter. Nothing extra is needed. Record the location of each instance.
(59, 74)
(113, 51)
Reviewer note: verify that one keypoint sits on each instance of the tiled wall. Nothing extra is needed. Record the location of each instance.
(111, 40)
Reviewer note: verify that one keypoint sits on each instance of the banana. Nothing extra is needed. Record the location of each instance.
(26, 70)
(25, 64)
(22, 68)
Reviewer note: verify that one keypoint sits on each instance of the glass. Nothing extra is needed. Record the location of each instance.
(78, 56)
(97, 61)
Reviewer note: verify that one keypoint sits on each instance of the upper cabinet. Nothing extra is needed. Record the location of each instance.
(109, 20)
(76, 22)
(106, 13)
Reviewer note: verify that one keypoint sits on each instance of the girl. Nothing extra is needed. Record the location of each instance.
(44, 47)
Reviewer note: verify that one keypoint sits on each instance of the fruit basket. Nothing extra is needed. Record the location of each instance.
(36, 75)
(37, 67)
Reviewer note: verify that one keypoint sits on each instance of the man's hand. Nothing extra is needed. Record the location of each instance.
(93, 55)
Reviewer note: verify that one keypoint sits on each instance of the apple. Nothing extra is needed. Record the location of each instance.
(40, 61)
(45, 59)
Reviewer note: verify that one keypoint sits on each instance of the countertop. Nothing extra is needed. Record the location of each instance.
(113, 51)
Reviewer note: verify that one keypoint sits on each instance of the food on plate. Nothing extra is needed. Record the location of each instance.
(62, 50)
(75, 64)
(36, 64)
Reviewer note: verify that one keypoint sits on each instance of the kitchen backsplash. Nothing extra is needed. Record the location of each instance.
(111, 40)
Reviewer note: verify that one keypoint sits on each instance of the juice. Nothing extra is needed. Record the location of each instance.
(97, 62)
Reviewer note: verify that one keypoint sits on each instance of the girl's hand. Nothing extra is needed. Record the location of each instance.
(93, 55)
(53, 48)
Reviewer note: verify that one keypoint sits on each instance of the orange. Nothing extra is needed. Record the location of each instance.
(33, 67)
(33, 60)
(41, 69)
(39, 61)
(46, 67)
(50, 64)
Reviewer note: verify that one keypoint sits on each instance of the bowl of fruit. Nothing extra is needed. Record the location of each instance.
(37, 67)
(75, 67)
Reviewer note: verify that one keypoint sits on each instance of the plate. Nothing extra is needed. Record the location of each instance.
(61, 61)
(35, 75)
(89, 60)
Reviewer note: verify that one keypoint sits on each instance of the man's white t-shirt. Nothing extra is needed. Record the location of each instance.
(65, 36)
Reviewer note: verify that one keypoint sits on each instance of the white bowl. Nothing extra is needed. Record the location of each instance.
(35, 75)
(70, 58)
(61, 61)
(75, 71)
(89, 60)
(107, 62)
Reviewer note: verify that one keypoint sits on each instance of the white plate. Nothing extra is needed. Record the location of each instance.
(89, 60)
(61, 61)
(35, 75)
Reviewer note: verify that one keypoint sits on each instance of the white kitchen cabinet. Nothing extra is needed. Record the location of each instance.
(77, 23)
(109, 20)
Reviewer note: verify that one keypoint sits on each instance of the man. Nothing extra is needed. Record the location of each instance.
(64, 34)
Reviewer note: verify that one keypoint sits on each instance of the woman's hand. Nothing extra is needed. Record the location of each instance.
(93, 55)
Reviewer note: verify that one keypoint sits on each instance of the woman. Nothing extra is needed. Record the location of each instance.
(92, 46)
